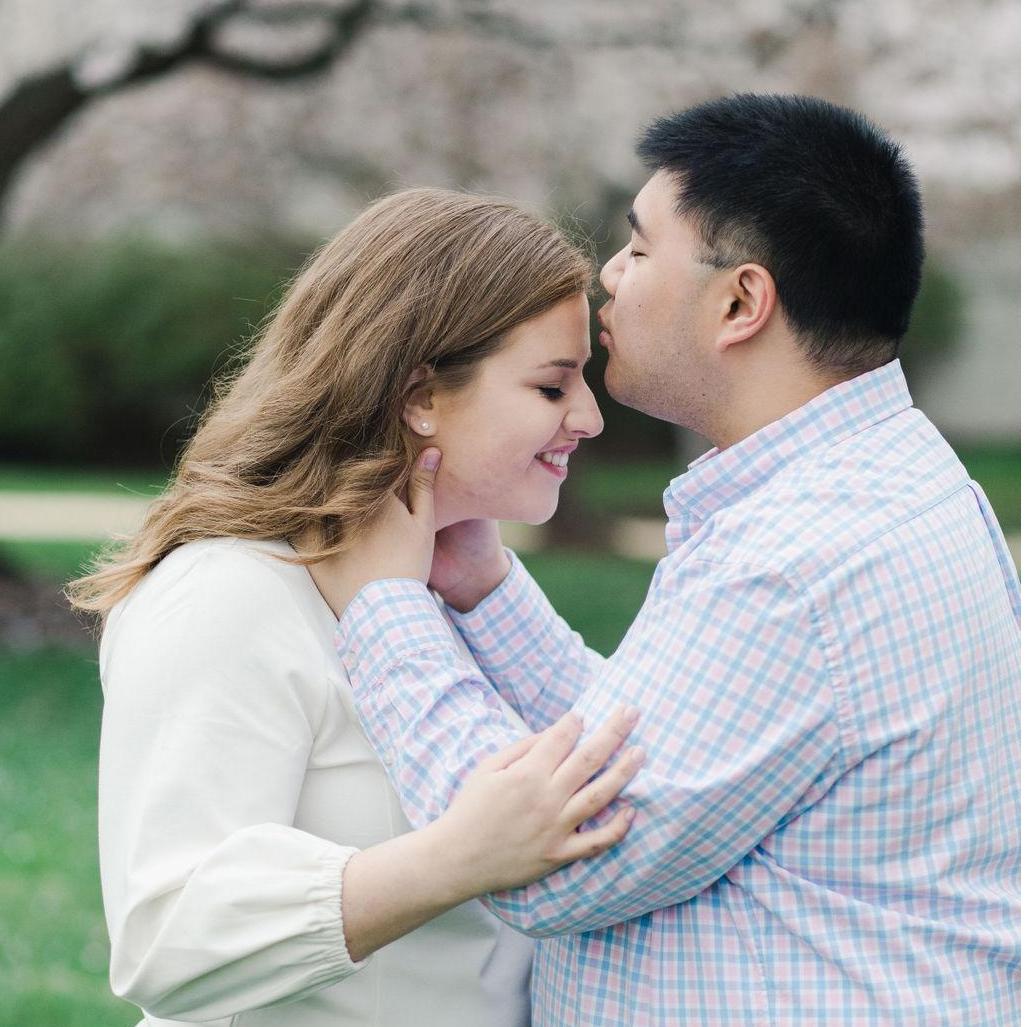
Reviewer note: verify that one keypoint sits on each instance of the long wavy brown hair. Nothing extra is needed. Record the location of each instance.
(309, 433)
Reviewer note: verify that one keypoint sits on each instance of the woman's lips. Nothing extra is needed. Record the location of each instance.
(557, 472)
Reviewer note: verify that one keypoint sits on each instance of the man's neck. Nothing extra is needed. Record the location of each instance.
(761, 398)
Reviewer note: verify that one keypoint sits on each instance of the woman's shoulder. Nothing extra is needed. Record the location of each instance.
(216, 591)
(220, 570)
(217, 626)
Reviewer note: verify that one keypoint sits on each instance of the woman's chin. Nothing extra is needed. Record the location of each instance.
(514, 514)
(535, 515)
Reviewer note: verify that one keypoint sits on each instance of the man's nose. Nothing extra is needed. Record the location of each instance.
(609, 277)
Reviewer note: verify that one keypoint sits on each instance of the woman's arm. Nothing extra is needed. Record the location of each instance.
(215, 902)
(514, 820)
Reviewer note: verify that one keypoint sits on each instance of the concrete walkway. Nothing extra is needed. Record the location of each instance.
(88, 517)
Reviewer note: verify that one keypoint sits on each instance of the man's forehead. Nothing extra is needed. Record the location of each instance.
(655, 201)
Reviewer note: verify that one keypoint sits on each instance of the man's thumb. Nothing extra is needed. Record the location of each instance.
(422, 483)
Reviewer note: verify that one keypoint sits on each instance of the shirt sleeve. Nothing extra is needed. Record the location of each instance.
(529, 653)
(737, 722)
(214, 902)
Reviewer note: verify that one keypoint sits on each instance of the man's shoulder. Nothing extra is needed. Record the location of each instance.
(826, 506)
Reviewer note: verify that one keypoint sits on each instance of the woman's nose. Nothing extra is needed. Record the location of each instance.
(609, 277)
(584, 419)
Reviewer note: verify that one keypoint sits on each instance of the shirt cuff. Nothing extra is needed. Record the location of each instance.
(387, 622)
(340, 963)
(511, 616)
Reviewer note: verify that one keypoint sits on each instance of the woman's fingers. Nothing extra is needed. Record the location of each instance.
(598, 794)
(591, 756)
(554, 744)
(584, 844)
(421, 489)
(511, 754)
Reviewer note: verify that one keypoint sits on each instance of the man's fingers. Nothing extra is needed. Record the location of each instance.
(586, 844)
(598, 794)
(591, 756)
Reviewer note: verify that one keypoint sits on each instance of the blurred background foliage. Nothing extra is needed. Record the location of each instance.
(108, 349)
(130, 333)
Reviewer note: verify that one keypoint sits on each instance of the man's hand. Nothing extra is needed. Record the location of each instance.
(469, 563)
(398, 545)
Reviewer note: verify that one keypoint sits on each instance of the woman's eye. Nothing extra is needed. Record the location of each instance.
(553, 392)
(637, 253)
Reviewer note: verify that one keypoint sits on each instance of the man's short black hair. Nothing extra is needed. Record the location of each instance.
(817, 195)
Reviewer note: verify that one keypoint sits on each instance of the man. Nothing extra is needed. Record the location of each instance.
(827, 661)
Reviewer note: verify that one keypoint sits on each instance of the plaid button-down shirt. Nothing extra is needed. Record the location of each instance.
(827, 665)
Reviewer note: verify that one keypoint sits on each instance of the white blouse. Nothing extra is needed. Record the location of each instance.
(235, 782)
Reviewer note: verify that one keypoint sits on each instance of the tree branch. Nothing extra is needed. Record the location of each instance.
(39, 105)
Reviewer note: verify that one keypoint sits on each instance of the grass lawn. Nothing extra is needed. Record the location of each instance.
(53, 948)
(53, 952)
(56, 561)
(34, 478)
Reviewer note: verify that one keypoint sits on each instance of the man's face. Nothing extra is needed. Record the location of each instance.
(660, 320)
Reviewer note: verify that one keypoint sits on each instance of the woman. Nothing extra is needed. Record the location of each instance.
(241, 808)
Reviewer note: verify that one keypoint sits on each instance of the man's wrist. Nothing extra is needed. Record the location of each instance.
(468, 594)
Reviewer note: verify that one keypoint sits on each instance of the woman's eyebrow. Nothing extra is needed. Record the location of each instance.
(564, 362)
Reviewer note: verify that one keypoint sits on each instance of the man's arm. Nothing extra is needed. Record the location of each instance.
(529, 653)
(737, 722)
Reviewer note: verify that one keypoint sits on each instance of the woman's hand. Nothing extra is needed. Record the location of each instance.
(516, 818)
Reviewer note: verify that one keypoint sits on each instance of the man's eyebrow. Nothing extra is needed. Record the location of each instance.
(564, 362)
(636, 225)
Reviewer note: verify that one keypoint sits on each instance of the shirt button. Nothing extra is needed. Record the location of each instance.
(388, 758)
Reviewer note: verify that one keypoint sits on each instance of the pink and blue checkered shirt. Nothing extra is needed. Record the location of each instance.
(827, 665)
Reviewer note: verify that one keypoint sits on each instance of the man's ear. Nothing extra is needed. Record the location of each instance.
(749, 301)
(418, 412)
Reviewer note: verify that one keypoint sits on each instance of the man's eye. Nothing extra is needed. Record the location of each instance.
(637, 253)
(553, 392)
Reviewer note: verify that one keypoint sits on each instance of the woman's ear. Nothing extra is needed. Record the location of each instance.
(418, 413)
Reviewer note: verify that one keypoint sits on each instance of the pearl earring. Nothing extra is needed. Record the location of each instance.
(425, 426)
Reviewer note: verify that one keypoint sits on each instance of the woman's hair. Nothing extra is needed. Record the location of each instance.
(309, 433)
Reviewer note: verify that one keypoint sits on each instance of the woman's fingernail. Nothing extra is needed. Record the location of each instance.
(630, 714)
(430, 459)
(629, 814)
(638, 755)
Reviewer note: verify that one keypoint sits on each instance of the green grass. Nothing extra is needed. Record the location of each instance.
(34, 478)
(997, 469)
(622, 488)
(56, 561)
(598, 595)
(53, 951)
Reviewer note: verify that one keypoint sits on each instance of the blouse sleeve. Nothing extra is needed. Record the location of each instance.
(214, 902)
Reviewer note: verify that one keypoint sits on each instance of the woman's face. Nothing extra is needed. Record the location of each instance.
(507, 438)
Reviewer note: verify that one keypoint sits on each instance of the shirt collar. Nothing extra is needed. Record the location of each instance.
(720, 478)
